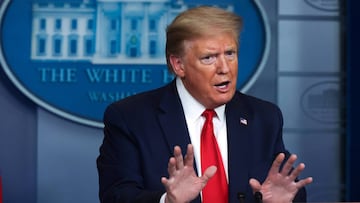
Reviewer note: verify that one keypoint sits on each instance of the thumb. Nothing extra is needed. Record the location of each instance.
(255, 184)
(209, 173)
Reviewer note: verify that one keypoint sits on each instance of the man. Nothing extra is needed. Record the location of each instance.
(152, 149)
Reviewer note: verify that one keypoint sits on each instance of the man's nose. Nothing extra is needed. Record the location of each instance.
(222, 64)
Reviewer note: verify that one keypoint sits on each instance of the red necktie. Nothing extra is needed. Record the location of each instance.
(216, 190)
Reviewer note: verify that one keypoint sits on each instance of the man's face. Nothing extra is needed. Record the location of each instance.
(209, 69)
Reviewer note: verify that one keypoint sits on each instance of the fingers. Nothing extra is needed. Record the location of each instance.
(303, 182)
(172, 166)
(178, 158)
(288, 169)
(277, 163)
(164, 181)
(208, 173)
(255, 184)
(177, 162)
(288, 166)
(189, 157)
(296, 172)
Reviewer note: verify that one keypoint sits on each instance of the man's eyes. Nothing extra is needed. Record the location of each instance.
(208, 59)
(230, 53)
(212, 58)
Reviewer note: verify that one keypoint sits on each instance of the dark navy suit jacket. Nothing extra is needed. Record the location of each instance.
(141, 132)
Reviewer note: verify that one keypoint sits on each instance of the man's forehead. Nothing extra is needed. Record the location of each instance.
(212, 42)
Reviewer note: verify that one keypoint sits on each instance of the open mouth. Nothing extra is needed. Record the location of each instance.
(223, 84)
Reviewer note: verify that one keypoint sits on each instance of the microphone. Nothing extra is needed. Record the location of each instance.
(241, 197)
(258, 197)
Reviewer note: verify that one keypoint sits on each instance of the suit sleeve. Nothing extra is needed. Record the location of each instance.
(273, 122)
(301, 195)
(118, 164)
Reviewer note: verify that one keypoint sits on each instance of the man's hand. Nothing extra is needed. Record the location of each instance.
(183, 185)
(280, 186)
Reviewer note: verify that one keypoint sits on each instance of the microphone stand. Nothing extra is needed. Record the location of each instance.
(241, 197)
(258, 197)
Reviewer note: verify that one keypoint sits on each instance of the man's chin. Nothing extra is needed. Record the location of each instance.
(224, 100)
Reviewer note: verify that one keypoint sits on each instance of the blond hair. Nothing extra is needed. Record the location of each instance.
(198, 22)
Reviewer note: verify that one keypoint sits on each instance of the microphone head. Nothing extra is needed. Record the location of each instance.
(241, 195)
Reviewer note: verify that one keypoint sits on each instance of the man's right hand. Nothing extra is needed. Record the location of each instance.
(183, 185)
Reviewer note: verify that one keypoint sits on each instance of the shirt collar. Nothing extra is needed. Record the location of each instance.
(192, 108)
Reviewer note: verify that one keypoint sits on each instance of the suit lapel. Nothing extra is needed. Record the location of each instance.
(173, 124)
(172, 119)
(238, 118)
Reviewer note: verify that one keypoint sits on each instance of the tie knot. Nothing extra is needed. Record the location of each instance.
(208, 113)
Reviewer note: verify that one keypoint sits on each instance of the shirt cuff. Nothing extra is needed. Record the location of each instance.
(162, 199)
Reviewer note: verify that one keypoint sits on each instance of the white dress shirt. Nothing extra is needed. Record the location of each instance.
(193, 110)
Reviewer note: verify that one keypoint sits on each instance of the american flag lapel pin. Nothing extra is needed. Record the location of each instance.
(243, 121)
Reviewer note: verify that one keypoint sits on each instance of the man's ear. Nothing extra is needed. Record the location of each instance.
(177, 65)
